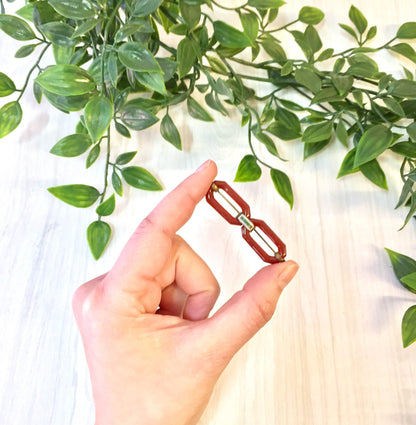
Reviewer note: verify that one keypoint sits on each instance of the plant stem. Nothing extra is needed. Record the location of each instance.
(107, 164)
(228, 8)
(283, 27)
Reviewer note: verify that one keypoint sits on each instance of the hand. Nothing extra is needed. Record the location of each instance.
(154, 355)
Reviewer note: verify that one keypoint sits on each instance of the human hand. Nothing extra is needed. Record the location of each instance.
(154, 355)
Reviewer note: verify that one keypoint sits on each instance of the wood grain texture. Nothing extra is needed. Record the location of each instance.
(331, 355)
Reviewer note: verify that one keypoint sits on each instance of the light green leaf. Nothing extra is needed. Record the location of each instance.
(97, 116)
(66, 80)
(169, 132)
(250, 23)
(66, 103)
(394, 106)
(98, 235)
(122, 129)
(325, 55)
(407, 30)
(10, 117)
(186, 55)
(7, 86)
(309, 79)
(282, 131)
(217, 65)
(317, 132)
(145, 7)
(107, 207)
(409, 327)
(341, 133)
(92, 155)
(86, 27)
(411, 131)
(77, 195)
(343, 83)
(349, 30)
(402, 266)
(410, 280)
(248, 170)
(266, 4)
(313, 39)
(136, 57)
(374, 173)
(347, 166)
(310, 15)
(152, 80)
(197, 111)
(266, 140)
(137, 118)
(59, 33)
(362, 66)
(229, 36)
(16, 28)
(140, 178)
(72, 145)
(25, 51)
(191, 13)
(125, 157)
(358, 19)
(74, 9)
(405, 50)
(273, 48)
(282, 184)
(117, 183)
(372, 143)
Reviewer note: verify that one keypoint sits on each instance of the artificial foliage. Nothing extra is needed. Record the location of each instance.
(129, 63)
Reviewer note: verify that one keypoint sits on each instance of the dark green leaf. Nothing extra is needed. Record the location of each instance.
(66, 103)
(25, 51)
(145, 7)
(213, 101)
(266, 140)
(72, 145)
(374, 173)
(409, 326)
(197, 111)
(407, 30)
(98, 235)
(86, 27)
(411, 131)
(403, 88)
(358, 19)
(248, 170)
(407, 149)
(326, 95)
(402, 266)
(266, 4)
(347, 166)
(10, 117)
(310, 149)
(282, 184)
(250, 23)
(341, 133)
(107, 207)
(152, 81)
(338, 65)
(309, 79)
(372, 32)
(394, 106)
(291, 105)
(117, 183)
(16, 28)
(136, 57)
(123, 130)
(169, 132)
(412, 209)
(74, 9)
(140, 178)
(229, 36)
(97, 116)
(92, 156)
(7, 86)
(405, 50)
(37, 92)
(362, 66)
(186, 56)
(66, 80)
(137, 118)
(125, 157)
(372, 143)
(283, 132)
(169, 66)
(77, 195)
(317, 132)
(310, 15)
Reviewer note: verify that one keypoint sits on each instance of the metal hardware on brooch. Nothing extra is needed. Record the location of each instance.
(248, 224)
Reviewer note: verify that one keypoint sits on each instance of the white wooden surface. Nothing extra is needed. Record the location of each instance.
(331, 355)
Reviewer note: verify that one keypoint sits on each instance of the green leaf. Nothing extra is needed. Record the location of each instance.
(191, 13)
(123, 130)
(10, 117)
(343, 83)
(97, 116)
(6, 85)
(372, 143)
(362, 66)
(59, 33)
(248, 170)
(66, 80)
(347, 166)
(374, 173)
(98, 235)
(86, 27)
(145, 7)
(407, 149)
(72, 145)
(137, 118)
(310, 15)
(136, 57)
(411, 131)
(266, 4)
(402, 266)
(410, 280)
(287, 68)
(309, 79)
(74, 9)
(325, 55)
(407, 30)
(107, 207)
(62, 55)
(217, 65)
(25, 51)
(140, 178)
(229, 36)
(273, 48)
(317, 132)
(152, 80)
(405, 50)
(403, 88)
(349, 30)
(16, 28)
(266, 140)
(186, 56)
(326, 95)
(394, 106)
(125, 157)
(77, 195)
(313, 39)
(409, 326)
(169, 132)
(282, 184)
(250, 23)
(358, 19)
(283, 132)
(92, 156)
(310, 149)
(117, 183)
(197, 111)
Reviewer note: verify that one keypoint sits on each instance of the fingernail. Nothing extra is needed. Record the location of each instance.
(287, 274)
(203, 166)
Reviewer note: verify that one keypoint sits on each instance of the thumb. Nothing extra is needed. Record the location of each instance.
(249, 309)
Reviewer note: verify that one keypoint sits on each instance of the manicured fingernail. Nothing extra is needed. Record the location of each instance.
(203, 166)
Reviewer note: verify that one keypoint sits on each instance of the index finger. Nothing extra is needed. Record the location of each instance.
(148, 248)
